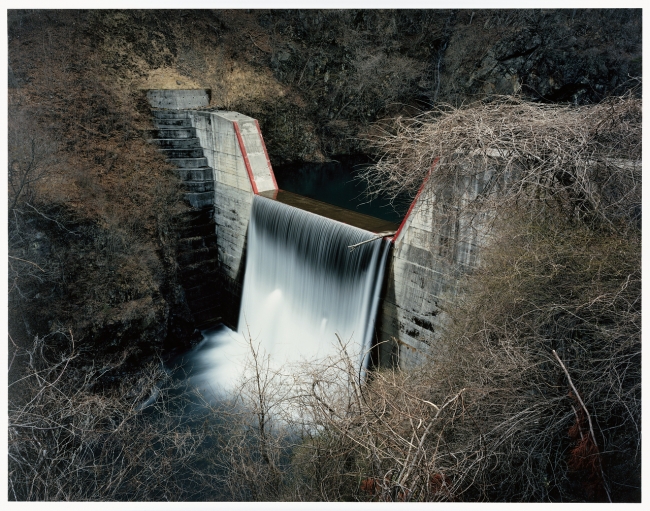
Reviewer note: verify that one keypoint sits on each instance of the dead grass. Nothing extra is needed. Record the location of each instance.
(559, 273)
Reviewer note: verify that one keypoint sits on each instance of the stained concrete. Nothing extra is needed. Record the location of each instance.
(197, 246)
(233, 146)
(346, 216)
(433, 250)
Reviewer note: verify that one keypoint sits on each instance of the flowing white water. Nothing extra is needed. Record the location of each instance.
(302, 286)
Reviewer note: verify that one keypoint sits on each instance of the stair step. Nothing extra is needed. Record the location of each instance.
(170, 114)
(199, 186)
(176, 143)
(197, 242)
(171, 133)
(208, 311)
(189, 163)
(197, 278)
(202, 295)
(208, 303)
(195, 272)
(183, 153)
(202, 174)
(193, 230)
(196, 256)
(197, 230)
(196, 217)
(200, 200)
(204, 320)
(172, 123)
(198, 268)
(206, 308)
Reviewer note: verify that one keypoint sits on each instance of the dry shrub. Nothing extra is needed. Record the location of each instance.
(92, 205)
(496, 419)
(583, 160)
(71, 439)
(369, 442)
(250, 464)
(547, 287)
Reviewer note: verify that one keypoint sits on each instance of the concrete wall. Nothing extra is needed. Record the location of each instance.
(432, 251)
(178, 99)
(234, 148)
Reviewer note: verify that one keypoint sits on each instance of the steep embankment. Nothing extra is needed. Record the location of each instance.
(317, 79)
(91, 204)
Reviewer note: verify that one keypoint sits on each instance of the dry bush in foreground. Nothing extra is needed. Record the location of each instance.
(254, 438)
(71, 440)
(535, 395)
(543, 348)
(522, 432)
(536, 399)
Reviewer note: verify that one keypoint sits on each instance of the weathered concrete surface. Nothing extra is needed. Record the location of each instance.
(179, 99)
(434, 249)
(197, 246)
(233, 146)
(176, 138)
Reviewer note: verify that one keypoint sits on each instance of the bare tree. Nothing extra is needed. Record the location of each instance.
(32, 156)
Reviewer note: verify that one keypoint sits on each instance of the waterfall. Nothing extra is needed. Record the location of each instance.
(302, 286)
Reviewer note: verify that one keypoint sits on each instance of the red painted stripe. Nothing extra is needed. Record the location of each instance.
(417, 196)
(245, 155)
(267, 155)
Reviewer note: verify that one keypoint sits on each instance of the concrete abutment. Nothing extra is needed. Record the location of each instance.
(222, 162)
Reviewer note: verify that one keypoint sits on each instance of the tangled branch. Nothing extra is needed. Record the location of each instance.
(584, 160)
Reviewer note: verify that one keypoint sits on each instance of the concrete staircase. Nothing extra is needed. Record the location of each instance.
(197, 247)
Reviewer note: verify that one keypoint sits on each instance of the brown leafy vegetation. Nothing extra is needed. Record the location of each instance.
(317, 78)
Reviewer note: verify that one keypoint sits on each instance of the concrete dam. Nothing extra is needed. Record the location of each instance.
(278, 265)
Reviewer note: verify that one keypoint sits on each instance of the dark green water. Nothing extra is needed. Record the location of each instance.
(336, 183)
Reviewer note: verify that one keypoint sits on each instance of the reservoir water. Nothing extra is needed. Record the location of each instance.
(338, 183)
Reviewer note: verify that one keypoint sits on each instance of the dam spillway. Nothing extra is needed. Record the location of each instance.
(346, 216)
(303, 284)
(306, 295)
(432, 250)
